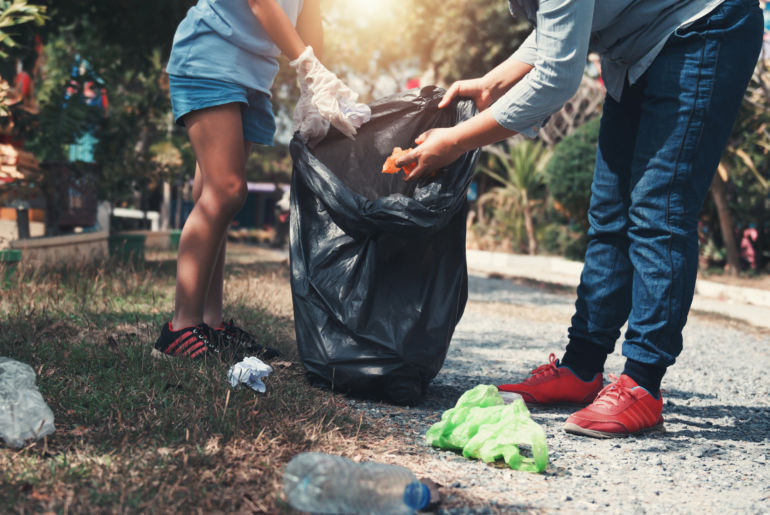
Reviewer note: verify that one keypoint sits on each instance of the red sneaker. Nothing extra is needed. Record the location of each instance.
(554, 385)
(623, 408)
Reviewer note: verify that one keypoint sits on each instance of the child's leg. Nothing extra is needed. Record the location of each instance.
(212, 310)
(216, 134)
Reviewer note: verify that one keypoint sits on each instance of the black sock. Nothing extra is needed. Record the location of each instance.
(584, 358)
(646, 376)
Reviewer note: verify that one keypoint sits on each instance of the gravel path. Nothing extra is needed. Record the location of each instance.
(715, 457)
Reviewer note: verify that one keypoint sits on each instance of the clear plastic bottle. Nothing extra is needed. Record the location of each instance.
(320, 483)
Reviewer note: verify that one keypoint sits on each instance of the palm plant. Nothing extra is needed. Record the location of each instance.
(523, 166)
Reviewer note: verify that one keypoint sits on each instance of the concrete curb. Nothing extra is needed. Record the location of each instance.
(561, 271)
(540, 268)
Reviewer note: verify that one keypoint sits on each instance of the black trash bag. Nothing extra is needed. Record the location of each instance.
(378, 272)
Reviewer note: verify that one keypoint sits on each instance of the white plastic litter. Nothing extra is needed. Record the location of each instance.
(510, 397)
(308, 121)
(250, 372)
(23, 412)
(329, 96)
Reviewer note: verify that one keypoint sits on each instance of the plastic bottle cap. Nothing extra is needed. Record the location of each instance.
(417, 495)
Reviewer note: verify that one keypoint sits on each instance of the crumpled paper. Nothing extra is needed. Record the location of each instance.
(24, 414)
(324, 100)
(249, 372)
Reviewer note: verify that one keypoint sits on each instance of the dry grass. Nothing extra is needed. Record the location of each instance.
(138, 435)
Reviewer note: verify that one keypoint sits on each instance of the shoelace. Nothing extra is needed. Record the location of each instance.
(232, 331)
(200, 335)
(613, 393)
(548, 367)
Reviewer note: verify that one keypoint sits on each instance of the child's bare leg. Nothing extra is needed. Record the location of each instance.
(212, 309)
(216, 134)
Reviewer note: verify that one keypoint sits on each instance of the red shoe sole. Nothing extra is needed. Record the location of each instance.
(577, 430)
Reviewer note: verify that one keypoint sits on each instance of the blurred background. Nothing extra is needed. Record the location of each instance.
(87, 137)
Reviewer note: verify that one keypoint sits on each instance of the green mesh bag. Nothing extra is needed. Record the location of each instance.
(487, 429)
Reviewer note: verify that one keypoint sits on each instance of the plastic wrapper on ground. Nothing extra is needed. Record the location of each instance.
(24, 415)
(485, 428)
(378, 271)
(250, 372)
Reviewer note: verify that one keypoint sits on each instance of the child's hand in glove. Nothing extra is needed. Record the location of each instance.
(308, 121)
(329, 97)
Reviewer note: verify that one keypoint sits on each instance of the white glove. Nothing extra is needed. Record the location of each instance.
(308, 121)
(333, 100)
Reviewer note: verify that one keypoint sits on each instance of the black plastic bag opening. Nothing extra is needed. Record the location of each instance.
(378, 272)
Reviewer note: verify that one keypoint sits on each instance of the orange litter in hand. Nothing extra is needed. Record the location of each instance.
(390, 163)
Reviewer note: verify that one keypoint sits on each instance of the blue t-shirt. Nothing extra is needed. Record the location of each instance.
(222, 39)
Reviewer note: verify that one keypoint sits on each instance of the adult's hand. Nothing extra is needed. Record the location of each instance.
(441, 147)
(476, 89)
(436, 149)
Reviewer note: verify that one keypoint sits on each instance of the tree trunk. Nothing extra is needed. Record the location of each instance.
(759, 245)
(178, 214)
(725, 223)
(530, 227)
(482, 186)
(165, 207)
(53, 183)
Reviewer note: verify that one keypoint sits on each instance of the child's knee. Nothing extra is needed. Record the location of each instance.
(233, 194)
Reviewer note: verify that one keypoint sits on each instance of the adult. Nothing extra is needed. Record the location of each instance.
(675, 73)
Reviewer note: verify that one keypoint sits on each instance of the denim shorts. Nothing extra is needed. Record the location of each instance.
(192, 93)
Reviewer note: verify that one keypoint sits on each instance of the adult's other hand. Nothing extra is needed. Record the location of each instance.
(476, 89)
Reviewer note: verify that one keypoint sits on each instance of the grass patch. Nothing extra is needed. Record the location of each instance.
(140, 435)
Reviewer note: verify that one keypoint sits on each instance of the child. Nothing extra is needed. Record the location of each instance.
(222, 65)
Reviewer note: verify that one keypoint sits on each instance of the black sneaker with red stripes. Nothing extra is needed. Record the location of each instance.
(233, 337)
(194, 342)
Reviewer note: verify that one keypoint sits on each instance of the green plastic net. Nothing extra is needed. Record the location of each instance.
(485, 428)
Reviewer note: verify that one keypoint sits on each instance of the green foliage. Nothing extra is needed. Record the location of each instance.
(61, 122)
(749, 164)
(511, 207)
(562, 239)
(137, 28)
(522, 166)
(463, 39)
(402, 39)
(269, 164)
(570, 172)
(139, 114)
(13, 13)
(17, 12)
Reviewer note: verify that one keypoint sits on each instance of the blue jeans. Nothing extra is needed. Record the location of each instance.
(658, 150)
